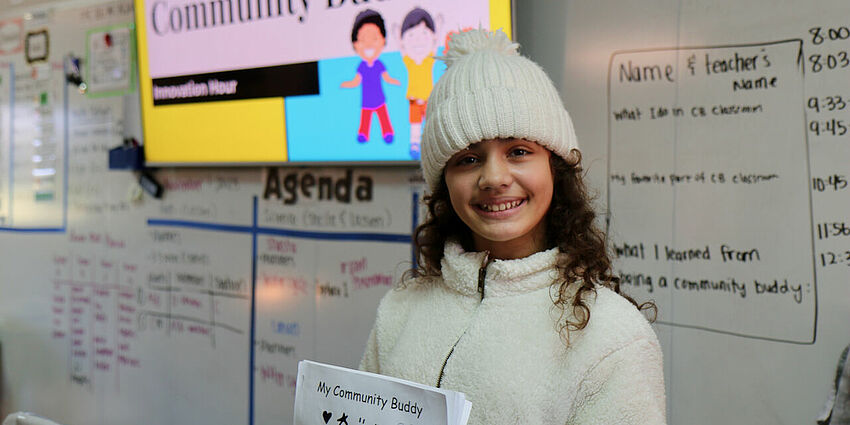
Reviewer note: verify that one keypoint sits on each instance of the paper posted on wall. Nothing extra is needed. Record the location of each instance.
(333, 395)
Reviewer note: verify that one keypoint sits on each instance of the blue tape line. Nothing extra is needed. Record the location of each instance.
(200, 225)
(373, 237)
(253, 314)
(370, 237)
(33, 229)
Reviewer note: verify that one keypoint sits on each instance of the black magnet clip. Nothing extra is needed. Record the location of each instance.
(130, 155)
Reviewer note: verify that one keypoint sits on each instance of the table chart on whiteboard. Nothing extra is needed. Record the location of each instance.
(306, 286)
(700, 179)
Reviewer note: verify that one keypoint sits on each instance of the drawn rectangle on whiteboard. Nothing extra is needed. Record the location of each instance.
(110, 65)
(707, 157)
(6, 104)
(38, 151)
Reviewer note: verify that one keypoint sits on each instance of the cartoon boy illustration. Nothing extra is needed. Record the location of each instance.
(369, 38)
(418, 45)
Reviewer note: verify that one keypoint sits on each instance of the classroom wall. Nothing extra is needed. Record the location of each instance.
(118, 308)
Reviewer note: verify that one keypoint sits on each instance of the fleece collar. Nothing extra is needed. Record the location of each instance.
(504, 277)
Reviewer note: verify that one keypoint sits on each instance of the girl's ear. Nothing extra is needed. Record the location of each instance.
(573, 158)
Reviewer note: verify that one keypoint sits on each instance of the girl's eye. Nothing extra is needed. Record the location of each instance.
(520, 152)
(462, 161)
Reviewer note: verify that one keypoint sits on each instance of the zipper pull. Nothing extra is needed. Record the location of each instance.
(482, 274)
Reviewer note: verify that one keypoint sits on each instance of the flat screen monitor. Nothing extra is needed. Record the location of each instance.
(252, 82)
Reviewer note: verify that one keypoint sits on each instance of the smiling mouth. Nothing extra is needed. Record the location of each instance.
(501, 206)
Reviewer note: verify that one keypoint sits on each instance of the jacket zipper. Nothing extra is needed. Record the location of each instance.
(482, 274)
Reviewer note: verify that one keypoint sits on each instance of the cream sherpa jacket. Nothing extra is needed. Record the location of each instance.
(504, 352)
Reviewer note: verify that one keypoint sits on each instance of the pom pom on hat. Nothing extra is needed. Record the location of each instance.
(469, 42)
(490, 92)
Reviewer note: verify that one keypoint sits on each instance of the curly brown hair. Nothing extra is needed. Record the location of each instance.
(569, 226)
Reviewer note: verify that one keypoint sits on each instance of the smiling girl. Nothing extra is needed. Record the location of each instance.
(513, 302)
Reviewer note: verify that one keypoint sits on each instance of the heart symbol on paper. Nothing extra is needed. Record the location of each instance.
(326, 416)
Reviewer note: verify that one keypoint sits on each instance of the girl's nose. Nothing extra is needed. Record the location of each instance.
(495, 174)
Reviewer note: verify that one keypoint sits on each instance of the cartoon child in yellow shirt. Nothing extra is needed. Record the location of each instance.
(418, 46)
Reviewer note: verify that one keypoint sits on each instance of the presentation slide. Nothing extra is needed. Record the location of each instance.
(254, 82)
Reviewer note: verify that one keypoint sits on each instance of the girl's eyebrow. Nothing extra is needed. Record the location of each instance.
(517, 140)
(461, 153)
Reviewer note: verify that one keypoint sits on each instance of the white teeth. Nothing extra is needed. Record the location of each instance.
(500, 207)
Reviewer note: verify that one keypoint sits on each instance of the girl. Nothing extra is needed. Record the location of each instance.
(513, 302)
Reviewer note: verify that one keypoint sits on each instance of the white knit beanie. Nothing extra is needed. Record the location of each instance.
(489, 92)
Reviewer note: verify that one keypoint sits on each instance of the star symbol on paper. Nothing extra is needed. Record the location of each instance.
(343, 419)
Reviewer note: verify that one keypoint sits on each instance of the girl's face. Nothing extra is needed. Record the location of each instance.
(501, 189)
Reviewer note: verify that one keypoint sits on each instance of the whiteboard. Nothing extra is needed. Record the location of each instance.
(716, 136)
(122, 309)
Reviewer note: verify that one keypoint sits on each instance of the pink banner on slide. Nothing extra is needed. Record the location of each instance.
(200, 36)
